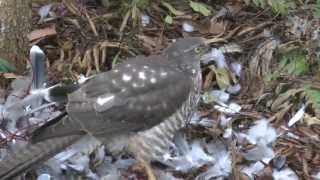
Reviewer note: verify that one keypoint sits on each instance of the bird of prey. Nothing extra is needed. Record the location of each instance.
(148, 99)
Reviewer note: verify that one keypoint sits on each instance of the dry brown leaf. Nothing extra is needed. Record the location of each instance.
(278, 117)
(284, 98)
(87, 60)
(67, 45)
(213, 27)
(218, 27)
(96, 58)
(103, 54)
(246, 30)
(70, 4)
(148, 42)
(11, 76)
(309, 120)
(208, 83)
(262, 58)
(41, 33)
(124, 21)
(92, 25)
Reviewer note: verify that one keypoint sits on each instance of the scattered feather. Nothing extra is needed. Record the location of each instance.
(284, 174)
(224, 121)
(44, 177)
(298, 116)
(79, 162)
(261, 152)
(82, 79)
(20, 88)
(235, 89)
(44, 11)
(227, 133)
(187, 27)
(222, 164)
(316, 176)
(196, 119)
(215, 55)
(99, 155)
(232, 108)
(145, 20)
(219, 96)
(262, 133)
(236, 68)
(64, 155)
(187, 156)
(293, 136)
(279, 162)
(112, 170)
(253, 169)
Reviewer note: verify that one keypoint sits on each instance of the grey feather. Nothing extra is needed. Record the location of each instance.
(151, 96)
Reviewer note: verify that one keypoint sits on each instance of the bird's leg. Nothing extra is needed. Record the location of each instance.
(149, 171)
(147, 167)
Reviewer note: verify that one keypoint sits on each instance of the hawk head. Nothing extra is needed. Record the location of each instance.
(186, 53)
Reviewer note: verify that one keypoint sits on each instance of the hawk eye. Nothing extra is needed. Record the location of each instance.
(197, 49)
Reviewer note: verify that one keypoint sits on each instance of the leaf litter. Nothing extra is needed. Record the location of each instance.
(260, 92)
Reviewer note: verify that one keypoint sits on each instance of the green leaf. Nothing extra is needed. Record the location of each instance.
(168, 19)
(317, 10)
(115, 59)
(281, 6)
(223, 78)
(260, 3)
(142, 4)
(294, 63)
(172, 9)
(283, 63)
(313, 97)
(278, 6)
(297, 66)
(6, 67)
(200, 8)
(272, 76)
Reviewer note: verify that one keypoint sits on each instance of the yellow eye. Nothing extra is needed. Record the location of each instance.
(197, 50)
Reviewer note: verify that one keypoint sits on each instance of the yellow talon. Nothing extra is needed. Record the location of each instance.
(149, 172)
(147, 168)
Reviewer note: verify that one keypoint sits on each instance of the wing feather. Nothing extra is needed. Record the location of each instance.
(134, 96)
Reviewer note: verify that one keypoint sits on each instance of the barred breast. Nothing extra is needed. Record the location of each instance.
(151, 144)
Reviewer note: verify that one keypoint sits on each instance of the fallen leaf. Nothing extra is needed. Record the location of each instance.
(6, 67)
(172, 9)
(200, 8)
(309, 120)
(282, 98)
(260, 63)
(218, 27)
(40, 33)
(223, 77)
(168, 19)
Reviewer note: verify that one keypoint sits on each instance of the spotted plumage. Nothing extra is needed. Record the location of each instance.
(147, 99)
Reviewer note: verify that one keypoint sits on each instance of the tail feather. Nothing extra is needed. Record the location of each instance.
(33, 154)
(39, 71)
(57, 93)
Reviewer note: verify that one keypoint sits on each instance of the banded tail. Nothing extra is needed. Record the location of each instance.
(33, 154)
